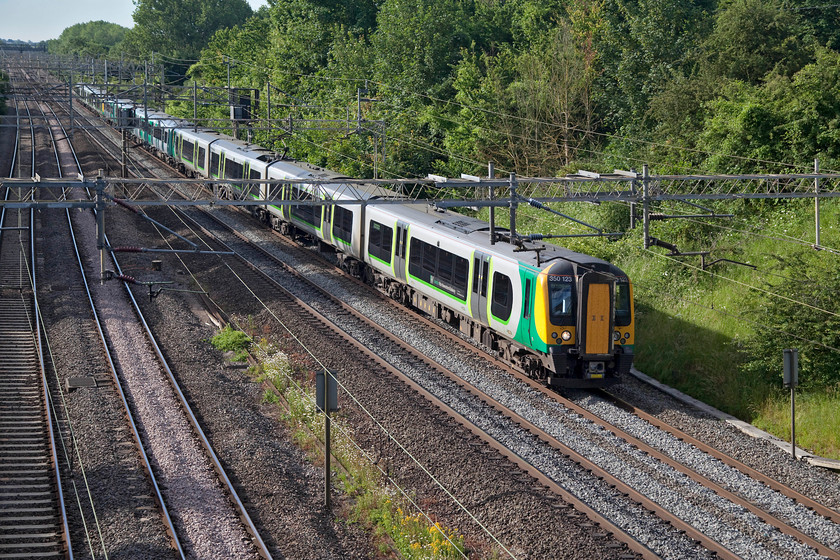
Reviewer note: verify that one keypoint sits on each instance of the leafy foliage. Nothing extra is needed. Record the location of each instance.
(94, 38)
(403, 88)
(230, 340)
(805, 314)
(754, 37)
(181, 28)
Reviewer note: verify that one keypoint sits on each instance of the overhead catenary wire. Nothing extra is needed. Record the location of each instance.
(267, 71)
(51, 399)
(393, 438)
(744, 284)
(607, 135)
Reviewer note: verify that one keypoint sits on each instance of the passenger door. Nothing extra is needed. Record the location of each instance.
(480, 281)
(401, 250)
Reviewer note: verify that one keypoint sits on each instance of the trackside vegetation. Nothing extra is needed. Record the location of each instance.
(232, 340)
(718, 334)
(393, 518)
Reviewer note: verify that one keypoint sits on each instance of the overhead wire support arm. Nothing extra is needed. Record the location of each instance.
(541, 206)
(145, 216)
(151, 250)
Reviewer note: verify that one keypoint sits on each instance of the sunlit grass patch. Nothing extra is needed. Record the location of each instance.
(817, 420)
(376, 503)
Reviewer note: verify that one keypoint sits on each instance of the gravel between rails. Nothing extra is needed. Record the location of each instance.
(512, 507)
(128, 516)
(818, 484)
(204, 519)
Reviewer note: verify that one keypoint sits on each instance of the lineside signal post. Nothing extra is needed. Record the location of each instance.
(326, 399)
(791, 379)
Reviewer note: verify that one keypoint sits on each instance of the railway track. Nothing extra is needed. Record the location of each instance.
(66, 158)
(624, 486)
(32, 511)
(774, 519)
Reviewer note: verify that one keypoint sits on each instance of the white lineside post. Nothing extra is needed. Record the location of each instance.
(70, 85)
(268, 108)
(646, 204)
(514, 204)
(816, 204)
(491, 174)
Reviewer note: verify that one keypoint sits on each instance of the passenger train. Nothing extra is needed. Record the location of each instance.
(557, 315)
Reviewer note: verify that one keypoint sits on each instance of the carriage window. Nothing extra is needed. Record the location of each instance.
(439, 268)
(527, 304)
(214, 164)
(380, 241)
(202, 154)
(157, 133)
(401, 239)
(188, 151)
(561, 302)
(306, 213)
(233, 170)
(502, 303)
(343, 224)
(255, 174)
(622, 305)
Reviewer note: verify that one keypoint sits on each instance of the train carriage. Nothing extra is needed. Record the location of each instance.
(558, 315)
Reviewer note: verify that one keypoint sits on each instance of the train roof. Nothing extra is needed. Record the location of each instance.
(476, 233)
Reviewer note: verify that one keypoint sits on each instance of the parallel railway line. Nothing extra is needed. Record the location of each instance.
(32, 509)
(686, 527)
(66, 157)
(683, 526)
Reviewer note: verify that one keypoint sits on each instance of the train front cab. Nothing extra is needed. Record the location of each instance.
(584, 315)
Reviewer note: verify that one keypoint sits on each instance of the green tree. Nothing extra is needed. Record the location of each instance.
(94, 38)
(821, 18)
(742, 131)
(419, 41)
(809, 107)
(181, 28)
(805, 316)
(752, 38)
(642, 45)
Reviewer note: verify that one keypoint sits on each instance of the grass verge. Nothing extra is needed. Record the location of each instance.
(385, 511)
(817, 421)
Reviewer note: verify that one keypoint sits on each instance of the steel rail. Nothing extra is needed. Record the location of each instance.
(595, 517)
(32, 543)
(663, 513)
(809, 503)
(645, 501)
(775, 485)
(221, 473)
(249, 524)
(170, 527)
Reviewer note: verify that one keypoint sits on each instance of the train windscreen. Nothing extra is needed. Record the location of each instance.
(561, 302)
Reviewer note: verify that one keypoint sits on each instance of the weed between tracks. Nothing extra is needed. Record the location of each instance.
(232, 340)
(376, 504)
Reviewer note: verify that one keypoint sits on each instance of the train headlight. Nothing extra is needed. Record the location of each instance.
(627, 335)
(566, 335)
(616, 336)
